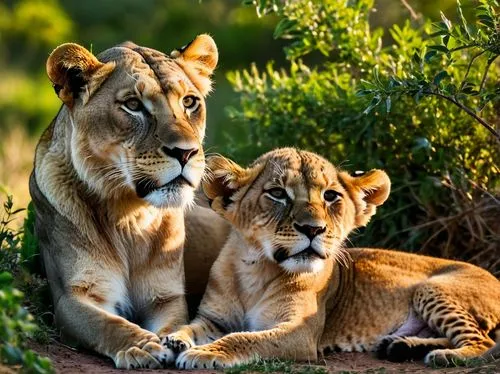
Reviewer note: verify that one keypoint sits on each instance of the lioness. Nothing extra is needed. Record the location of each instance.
(284, 286)
(112, 176)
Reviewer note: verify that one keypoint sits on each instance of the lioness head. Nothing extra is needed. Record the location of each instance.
(137, 117)
(294, 206)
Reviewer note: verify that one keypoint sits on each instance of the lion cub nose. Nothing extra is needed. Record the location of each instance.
(309, 231)
(182, 155)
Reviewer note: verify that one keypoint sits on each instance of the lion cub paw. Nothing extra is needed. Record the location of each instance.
(398, 349)
(148, 354)
(178, 342)
(205, 357)
(443, 358)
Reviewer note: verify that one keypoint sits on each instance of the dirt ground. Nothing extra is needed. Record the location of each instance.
(68, 360)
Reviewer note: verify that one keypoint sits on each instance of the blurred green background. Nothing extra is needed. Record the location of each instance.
(31, 29)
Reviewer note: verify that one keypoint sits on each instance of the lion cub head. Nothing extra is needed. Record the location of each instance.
(137, 118)
(294, 207)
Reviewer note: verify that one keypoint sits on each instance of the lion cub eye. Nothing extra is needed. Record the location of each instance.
(190, 102)
(331, 196)
(134, 105)
(277, 193)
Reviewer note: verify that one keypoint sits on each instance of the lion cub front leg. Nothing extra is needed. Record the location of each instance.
(219, 313)
(217, 338)
(285, 340)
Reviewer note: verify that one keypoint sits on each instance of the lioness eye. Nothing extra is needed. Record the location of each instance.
(133, 104)
(278, 193)
(331, 195)
(190, 102)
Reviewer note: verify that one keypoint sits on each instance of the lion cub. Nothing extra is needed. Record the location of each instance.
(284, 286)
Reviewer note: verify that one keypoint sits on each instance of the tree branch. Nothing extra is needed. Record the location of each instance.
(469, 112)
(463, 47)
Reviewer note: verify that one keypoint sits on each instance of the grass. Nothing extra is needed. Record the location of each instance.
(474, 365)
(277, 366)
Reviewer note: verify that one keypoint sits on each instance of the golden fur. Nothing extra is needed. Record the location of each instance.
(112, 176)
(283, 285)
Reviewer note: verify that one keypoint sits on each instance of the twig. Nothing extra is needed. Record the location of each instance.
(443, 220)
(468, 68)
(463, 47)
(413, 14)
(468, 111)
(488, 64)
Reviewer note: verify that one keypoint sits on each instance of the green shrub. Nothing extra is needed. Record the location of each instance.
(16, 323)
(364, 102)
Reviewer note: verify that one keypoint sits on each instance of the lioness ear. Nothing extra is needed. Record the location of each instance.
(198, 59)
(71, 67)
(368, 190)
(225, 177)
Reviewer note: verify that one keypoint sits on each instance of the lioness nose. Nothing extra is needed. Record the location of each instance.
(182, 155)
(309, 231)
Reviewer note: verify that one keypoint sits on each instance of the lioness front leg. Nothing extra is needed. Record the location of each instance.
(286, 340)
(126, 343)
(165, 317)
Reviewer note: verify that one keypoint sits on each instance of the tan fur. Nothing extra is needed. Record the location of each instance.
(110, 185)
(263, 302)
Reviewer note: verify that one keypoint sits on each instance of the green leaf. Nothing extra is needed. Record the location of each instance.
(421, 143)
(440, 48)
(361, 93)
(446, 39)
(5, 278)
(429, 55)
(446, 21)
(486, 20)
(440, 76)
(462, 19)
(388, 104)
(283, 27)
(416, 57)
(450, 89)
(375, 102)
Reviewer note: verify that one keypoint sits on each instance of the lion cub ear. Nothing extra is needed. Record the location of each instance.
(225, 177)
(71, 67)
(198, 59)
(368, 190)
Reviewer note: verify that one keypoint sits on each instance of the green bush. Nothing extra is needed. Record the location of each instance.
(414, 104)
(16, 323)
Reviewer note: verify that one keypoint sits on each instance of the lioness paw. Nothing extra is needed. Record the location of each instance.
(163, 354)
(149, 354)
(135, 358)
(178, 342)
(203, 357)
